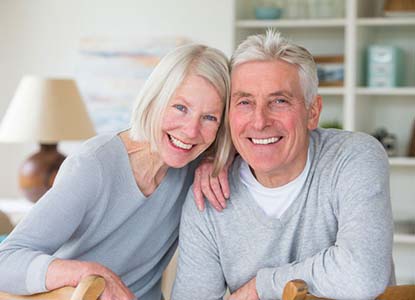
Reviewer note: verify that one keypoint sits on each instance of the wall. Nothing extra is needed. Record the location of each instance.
(42, 37)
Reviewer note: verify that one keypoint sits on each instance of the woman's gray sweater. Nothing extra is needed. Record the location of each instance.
(96, 212)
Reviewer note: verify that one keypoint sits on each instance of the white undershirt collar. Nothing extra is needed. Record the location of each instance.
(274, 201)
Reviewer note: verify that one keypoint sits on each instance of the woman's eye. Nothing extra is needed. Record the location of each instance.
(180, 107)
(210, 118)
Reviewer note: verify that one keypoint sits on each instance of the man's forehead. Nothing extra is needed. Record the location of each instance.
(248, 76)
(264, 69)
(271, 63)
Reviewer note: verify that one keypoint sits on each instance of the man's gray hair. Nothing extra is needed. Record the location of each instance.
(273, 45)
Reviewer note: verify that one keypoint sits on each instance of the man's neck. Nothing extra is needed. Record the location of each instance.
(283, 175)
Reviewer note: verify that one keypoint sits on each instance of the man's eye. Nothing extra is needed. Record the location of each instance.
(280, 101)
(210, 118)
(180, 107)
(243, 102)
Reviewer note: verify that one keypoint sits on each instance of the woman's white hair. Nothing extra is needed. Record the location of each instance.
(152, 101)
(273, 46)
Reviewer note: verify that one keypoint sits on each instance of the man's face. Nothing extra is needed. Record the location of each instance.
(269, 120)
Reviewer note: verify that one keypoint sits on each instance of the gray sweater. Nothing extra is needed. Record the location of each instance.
(337, 235)
(95, 212)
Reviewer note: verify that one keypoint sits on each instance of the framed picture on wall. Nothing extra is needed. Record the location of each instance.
(112, 71)
(330, 70)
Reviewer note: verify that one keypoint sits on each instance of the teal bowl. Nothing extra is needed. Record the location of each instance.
(267, 13)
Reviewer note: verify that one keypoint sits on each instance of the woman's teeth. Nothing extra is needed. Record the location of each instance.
(267, 141)
(180, 144)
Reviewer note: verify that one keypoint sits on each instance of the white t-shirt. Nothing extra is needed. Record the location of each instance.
(274, 201)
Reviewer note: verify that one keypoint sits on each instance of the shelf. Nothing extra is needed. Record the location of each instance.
(331, 91)
(288, 23)
(404, 238)
(386, 22)
(402, 162)
(399, 91)
(15, 209)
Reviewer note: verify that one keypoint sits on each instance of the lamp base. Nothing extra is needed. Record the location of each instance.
(38, 172)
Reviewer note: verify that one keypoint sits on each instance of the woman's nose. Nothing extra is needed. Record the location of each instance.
(192, 127)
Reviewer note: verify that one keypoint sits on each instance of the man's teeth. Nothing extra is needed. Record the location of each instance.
(267, 141)
(180, 144)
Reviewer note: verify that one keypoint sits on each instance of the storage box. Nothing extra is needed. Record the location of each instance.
(330, 70)
(385, 66)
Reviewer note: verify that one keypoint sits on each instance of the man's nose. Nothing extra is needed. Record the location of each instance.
(260, 120)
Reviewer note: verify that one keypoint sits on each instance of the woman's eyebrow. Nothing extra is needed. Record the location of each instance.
(180, 98)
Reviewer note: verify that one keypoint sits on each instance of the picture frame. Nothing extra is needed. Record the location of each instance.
(330, 70)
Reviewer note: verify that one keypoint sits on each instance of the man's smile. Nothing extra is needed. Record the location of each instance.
(265, 141)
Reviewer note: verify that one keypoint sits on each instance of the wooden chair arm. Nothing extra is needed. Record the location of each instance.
(89, 288)
(297, 290)
(398, 292)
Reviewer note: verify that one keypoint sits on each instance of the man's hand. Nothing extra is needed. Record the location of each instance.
(246, 292)
(215, 189)
(70, 272)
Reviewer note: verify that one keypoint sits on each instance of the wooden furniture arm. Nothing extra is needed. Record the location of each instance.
(398, 292)
(297, 290)
(89, 288)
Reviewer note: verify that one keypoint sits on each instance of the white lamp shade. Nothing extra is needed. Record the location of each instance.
(46, 111)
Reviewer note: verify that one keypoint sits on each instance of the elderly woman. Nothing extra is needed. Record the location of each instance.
(115, 207)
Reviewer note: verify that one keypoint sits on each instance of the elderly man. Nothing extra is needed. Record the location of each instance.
(305, 202)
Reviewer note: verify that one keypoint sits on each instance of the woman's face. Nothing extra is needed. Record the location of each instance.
(190, 121)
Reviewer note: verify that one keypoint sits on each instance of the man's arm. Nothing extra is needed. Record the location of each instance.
(358, 265)
(199, 272)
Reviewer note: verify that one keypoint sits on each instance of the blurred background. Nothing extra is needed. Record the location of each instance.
(365, 51)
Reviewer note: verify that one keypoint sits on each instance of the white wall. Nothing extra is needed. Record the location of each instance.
(42, 37)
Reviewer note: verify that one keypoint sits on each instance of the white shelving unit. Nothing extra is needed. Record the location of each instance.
(401, 238)
(357, 107)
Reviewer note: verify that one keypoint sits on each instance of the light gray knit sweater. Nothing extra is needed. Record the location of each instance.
(337, 235)
(95, 212)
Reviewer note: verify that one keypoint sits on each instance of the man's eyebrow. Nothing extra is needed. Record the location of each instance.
(240, 94)
(281, 93)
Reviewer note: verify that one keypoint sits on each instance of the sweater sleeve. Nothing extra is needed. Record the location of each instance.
(199, 272)
(359, 264)
(26, 254)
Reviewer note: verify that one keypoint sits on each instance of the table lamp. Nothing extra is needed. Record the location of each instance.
(46, 111)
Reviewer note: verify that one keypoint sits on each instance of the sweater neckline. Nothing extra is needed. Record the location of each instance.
(241, 193)
(131, 179)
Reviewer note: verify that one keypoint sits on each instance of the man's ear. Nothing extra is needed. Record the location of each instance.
(314, 112)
